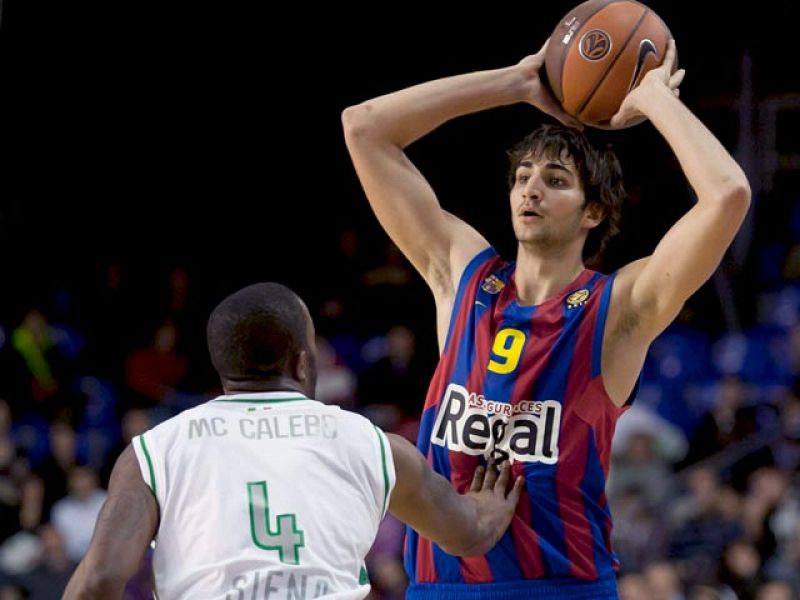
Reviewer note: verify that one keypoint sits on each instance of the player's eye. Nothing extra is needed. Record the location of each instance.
(523, 178)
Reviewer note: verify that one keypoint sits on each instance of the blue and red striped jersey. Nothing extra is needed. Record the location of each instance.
(524, 383)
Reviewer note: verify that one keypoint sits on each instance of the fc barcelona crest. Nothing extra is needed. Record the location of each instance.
(492, 285)
(576, 299)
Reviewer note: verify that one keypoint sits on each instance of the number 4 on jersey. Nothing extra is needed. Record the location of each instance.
(287, 540)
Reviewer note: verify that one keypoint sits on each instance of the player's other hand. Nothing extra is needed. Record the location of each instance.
(496, 499)
(538, 94)
(633, 108)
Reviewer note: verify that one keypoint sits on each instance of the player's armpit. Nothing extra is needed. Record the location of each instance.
(125, 527)
(463, 525)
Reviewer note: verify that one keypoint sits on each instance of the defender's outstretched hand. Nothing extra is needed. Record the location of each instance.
(462, 524)
(496, 506)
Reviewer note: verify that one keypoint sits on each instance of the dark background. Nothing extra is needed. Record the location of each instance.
(208, 134)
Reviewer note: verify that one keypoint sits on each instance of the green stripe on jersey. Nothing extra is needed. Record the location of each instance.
(385, 470)
(149, 464)
(261, 400)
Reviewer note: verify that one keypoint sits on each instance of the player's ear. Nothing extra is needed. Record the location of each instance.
(305, 370)
(300, 366)
(593, 214)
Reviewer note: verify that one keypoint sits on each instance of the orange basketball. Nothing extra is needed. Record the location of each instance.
(599, 52)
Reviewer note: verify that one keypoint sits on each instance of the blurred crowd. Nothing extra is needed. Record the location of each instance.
(704, 486)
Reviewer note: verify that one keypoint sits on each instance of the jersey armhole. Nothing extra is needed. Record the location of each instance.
(466, 276)
(143, 448)
(605, 303)
(386, 469)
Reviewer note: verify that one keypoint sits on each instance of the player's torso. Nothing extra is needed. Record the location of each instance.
(262, 501)
(523, 383)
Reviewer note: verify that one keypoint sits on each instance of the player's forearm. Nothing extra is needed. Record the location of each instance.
(476, 535)
(710, 169)
(89, 583)
(406, 115)
(462, 528)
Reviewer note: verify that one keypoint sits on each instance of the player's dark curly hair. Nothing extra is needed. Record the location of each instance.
(254, 333)
(599, 170)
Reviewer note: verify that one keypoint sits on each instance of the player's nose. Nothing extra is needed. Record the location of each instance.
(533, 187)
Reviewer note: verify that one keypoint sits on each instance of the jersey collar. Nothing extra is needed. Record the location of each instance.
(264, 397)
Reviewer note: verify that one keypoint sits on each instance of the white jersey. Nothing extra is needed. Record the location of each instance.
(265, 495)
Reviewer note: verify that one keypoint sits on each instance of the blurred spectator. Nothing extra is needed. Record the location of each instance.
(31, 511)
(19, 553)
(775, 590)
(767, 490)
(63, 456)
(663, 582)
(794, 355)
(703, 523)
(739, 570)
(705, 592)
(11, 591)
(398, 378)
(99, 425)
(52, 569)
(341, 301)
(35, 344)
(786, 448)
(74, 516)
(639, 536)
(638, 467)
(785, 564)
(384, 561)
(9, 492)
(669, 441)
(677, 360)
(336, 382)
(731, 420)
(134, 422)
(633, 587)
(391, 293)
(154, 372)
(5, 417)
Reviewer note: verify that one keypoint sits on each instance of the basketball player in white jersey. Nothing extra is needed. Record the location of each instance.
(266, 493)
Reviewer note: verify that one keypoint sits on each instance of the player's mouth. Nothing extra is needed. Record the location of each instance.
(529, 215)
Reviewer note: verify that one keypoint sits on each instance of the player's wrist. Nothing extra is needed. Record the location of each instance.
(523, 80)
(650, 96)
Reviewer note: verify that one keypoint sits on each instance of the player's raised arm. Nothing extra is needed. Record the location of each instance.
(377, 132)
(125, 526)
(463, 525)
(692, 249)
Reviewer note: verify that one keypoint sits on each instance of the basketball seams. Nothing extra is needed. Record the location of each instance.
(556, 84)
(611, 64)
(594, 54)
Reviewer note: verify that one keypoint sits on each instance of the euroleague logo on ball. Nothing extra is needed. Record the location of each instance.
(594, 45)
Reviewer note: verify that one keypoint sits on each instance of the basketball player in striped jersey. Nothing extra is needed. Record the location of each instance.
(539, 357)
(266, 493)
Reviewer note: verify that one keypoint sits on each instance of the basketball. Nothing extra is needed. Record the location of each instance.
(599, 52)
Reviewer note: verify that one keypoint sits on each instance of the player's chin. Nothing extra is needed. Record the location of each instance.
(527, 229)
(528, 233)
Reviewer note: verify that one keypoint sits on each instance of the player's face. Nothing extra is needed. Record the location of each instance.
(547, 202)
